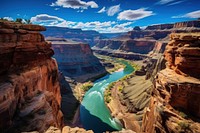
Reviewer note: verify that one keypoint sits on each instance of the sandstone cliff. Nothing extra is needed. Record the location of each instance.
(29, 89)
(143, 41)
(176, 26)
(174, 105)
(76, 60)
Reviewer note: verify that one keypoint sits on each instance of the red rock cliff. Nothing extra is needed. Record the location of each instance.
(76, 60)
(174, 105)
(29, 88)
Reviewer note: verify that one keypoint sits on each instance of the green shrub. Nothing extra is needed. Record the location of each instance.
(19, 20)
(86, 86)
(182, 114)
(184, 126)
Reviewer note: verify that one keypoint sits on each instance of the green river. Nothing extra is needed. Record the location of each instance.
(94, 114)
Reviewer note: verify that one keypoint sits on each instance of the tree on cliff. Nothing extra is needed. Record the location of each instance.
(19, 20)
(27, 21)
(3, 19)
(23, 21)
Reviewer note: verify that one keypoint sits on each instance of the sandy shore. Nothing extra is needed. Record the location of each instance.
(121, 69)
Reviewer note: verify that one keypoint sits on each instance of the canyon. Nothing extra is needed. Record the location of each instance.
(174, 102)
(37, 91)
(77, 35)
(139, 42)
(158, 97)
(76, 60)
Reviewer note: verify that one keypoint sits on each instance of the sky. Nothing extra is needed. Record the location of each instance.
(105, 16)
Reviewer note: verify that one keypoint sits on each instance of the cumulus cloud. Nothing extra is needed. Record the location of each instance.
(94, 24)
(48, 20)
(194, 14)
(134, 14)
(45, 18)
(113, 10)
(8, 18)
(104, 27)
(102, 10)
(75, 4)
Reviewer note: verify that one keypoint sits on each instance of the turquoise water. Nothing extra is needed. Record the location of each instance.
(94, 114)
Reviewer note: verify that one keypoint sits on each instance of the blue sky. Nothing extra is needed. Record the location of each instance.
(101, 15)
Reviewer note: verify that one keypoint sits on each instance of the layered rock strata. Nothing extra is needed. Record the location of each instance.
(140, 41)
(29, 88)
(76, 60)
(85, 36)
(174, 105)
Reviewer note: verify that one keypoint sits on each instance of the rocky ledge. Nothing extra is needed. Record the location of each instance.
(174, 105)
(29, 88)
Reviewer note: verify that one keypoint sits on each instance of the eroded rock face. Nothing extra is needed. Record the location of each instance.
(181, 25)
(76, 60)
(174, 105)
(29, 88)
(143, 41)
(183, 54)
(128, 45)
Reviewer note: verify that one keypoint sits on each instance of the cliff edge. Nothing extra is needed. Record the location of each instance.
(174, 105)
(29, 87)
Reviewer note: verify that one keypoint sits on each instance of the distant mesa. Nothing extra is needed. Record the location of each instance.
(78, 35)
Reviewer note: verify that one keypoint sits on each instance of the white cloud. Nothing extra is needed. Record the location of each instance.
(47, 20)
(94, 24)
(113, 10)
(194, 14)
(162, 2)
(102, 10)
(8, 18)
(175, 3)
(169, 2)
(75, 4)
(134, 14)
(56, 9)
(104, 27)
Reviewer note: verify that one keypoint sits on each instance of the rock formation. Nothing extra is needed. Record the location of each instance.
(143, 41)
(76, 60)
(29, 89)
(86, 36)
(176, 26)
(174, 105)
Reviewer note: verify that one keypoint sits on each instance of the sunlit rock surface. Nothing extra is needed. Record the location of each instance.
(29, 88)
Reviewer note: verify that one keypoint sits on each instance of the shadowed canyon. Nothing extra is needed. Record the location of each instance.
(62, 76)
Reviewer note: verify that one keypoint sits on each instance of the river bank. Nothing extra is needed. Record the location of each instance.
(128, 98)
(78, 91)
(97, 116)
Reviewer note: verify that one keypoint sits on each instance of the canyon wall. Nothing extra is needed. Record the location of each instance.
(76, 60)
(128, 45)
(194, 23)
(174, 105)
(143, 41)
(86, 36)
(29, 88)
